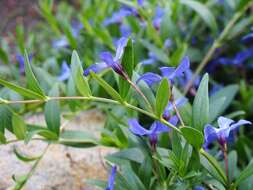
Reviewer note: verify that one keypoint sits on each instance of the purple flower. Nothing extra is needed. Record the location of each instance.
(155, 129)
(111, 179)
(169, 108)
(109, 61)
(158, 17)
(21, 61)
(183, 81)
(152, 59)
(140, 2)
(169, 72)
(239, 58)
(199, 188)
(65, 72)
(118, 16)
(222, 133)
(125, 30)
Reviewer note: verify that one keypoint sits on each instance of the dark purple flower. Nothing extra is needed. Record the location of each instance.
(222, 133)
(169, 72)
(155, 129)
(111, 179)
(21, 61)
(239, 58)
(65, 72)
(109, 61)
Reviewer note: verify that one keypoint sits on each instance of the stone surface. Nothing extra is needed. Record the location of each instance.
(62, 168)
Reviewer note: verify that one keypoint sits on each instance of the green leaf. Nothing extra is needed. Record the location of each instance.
(193, 136)
(52, 112)
(5, 118)
(19, 126)
(127, 63)
(247, 172)
(161, 56)
(77, 74)
(130, 154)
(113, 93)
(2, 138)
(32, 82)
(178, 55)
(200, 110)
(213, 167)
(220, 101)
(3, 56)
(203, 12)
(22, 91)
(23, 157)
(42, 131)
(79, 139)
(162, 97)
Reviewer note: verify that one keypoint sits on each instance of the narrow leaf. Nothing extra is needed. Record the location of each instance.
(24, 157)
(203, 12)
(20, 90)
(162, 96)
(19, 126)
(113, 93)
(247, 172)
(128, 65)
(52, 112)
(32, 82)
(77, 74)
(193, 136)
(200, 111)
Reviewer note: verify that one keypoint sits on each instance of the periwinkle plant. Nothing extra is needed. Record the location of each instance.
(169, 140)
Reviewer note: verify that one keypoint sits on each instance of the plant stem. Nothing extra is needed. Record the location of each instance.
(97, 99)
(217, 43)
(225, 154)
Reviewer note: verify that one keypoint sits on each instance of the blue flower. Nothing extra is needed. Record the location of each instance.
(158, 17)
(21, 61)
(65, 72)
(222, 133)
(111, 179)
(109, 61)
(239, 58)
(119, 15)
(140, 2)
(183, 81)
(155, 129)
(169, 72)
(199, 188)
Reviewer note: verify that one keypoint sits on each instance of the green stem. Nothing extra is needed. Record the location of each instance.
(217, 43)
(98, 99)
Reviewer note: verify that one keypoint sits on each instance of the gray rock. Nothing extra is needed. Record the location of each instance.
(62, 167)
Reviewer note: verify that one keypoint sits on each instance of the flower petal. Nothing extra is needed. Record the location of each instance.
(224, 122)
(158, 127)
(239, 123)
(182, 67)
(150, 78)
(65, 72)
(167, 71)
(173, 120)
(107, 58)
(96, 68)
(136, 128)
(121, 44)
(210, 134)
(112, 178)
